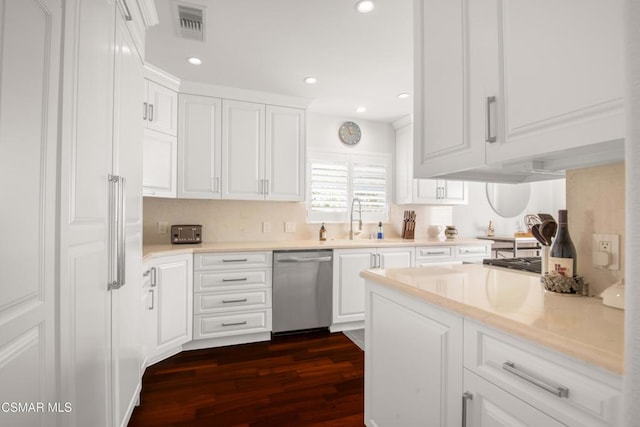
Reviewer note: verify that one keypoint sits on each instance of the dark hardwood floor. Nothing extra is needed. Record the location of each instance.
(298, 380)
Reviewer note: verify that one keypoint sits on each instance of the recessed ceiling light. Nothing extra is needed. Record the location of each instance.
(365, 6)
(361, 109)
(403, 95)
(194, 61)
(310, 80)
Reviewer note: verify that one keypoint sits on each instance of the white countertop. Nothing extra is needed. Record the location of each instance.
(167, 249)
(517, 303)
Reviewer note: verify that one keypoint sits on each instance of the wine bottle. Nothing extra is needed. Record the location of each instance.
(323, 233)
(563, 256)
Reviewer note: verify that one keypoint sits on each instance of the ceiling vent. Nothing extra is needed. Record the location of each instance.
(190, 22)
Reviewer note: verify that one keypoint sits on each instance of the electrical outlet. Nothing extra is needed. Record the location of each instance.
(290, 227)
(266, 227)
(609, 244)
(163, 227)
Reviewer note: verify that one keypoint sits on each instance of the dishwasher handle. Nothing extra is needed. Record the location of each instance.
(314, 259)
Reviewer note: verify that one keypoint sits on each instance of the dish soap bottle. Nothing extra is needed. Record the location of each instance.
(490, 230)
(323, 233)
(380, 232)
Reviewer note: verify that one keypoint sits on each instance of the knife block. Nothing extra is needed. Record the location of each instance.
(409, 225)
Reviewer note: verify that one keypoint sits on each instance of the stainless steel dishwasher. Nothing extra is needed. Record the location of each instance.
(302, 282)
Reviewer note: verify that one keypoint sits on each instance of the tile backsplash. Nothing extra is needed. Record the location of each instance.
(596, 204)
(229, 220)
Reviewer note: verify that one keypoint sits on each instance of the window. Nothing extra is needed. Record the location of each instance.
(336, 179)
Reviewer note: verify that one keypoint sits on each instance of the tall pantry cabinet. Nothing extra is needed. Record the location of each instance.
(100, 211)
(29, 96)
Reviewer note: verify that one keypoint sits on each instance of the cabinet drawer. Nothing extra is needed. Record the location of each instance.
(428, 253)
(228, 324)
(230, 301)
(567, 389)
(237, 279)
(232, 260)
(475, 251)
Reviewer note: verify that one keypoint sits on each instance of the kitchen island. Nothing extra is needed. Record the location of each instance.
(492, 339)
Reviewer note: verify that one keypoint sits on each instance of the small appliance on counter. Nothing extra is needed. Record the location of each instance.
(613, 296)
(181, 234)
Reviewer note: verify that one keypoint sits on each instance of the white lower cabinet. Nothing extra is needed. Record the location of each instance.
(168, 307)
(232, 298)
(451, 254)
(413, 361)
(348, 286)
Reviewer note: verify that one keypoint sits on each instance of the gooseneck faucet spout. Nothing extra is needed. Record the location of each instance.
(351, 233)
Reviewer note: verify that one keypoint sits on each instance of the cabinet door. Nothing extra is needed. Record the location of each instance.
(427, 191)
(162, 109)
(455, 192)
(396, 257)
(243, 150)
(488, 405)
(199, 147)
(455, 72)
(174, 278)
(425, 383)
(348, 286)
(404, 164)
(562, 87)
(159, 164)
(284, 154)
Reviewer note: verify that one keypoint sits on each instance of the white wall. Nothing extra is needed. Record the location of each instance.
(472, 219)
(322, 134)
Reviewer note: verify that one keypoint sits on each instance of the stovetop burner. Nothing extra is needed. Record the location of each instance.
(531, 264)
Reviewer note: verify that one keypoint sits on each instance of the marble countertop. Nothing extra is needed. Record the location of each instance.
(517, 303)
(169, 249)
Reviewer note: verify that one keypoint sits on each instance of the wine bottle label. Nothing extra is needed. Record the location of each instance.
(562, 266)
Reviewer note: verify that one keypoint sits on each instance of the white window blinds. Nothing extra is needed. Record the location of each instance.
(336, 179)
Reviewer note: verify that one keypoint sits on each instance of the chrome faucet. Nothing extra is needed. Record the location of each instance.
(351, 233)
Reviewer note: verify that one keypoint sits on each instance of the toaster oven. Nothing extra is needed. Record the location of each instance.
(186, 234)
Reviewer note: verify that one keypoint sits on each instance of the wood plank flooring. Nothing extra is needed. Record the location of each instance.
(299, 380)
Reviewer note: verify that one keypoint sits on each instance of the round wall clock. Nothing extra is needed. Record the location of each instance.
(350, 133)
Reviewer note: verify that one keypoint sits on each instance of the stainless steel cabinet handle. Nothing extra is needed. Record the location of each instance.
(153, 277)
(146, 273)
(243, 279)
(117, 192)
(144, 111)
(558, 390)
(127, 12)
(490, 100)
(235, 324)
(229, 301)
(373, 261)
(472, 251)
(436, 253)
(235, 260)
(113, 232)
(466, 396)
(266, 186)
(379, 260)
(315, 259)
(152, 298)
(150, 112)
(122, 245)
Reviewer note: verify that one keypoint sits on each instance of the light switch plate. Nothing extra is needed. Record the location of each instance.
(290, 227)
(607, 243)
(266, 227)
(163, 227)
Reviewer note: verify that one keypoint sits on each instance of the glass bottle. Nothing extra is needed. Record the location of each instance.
(563, 257)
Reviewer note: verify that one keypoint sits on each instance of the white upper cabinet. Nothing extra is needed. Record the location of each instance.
(422, 191)
(199, 147)
(243, 137)
(159, 164)
(499, 99)
(160, 109)
(285, 153)
(262, 152)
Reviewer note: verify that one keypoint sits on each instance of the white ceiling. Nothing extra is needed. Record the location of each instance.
(272, 45)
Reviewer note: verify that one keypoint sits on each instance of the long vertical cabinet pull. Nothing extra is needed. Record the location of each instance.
(122, 244)
(144, 111)
(127, 12)
(491, 100)
(466, 396)
(152, 297)
(117, 264)
(150, 112)
(153, 277)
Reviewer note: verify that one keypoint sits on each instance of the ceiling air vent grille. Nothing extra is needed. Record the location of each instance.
(191, 22)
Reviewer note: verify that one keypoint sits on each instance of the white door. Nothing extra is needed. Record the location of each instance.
(487, 405)
(174, 284)
(162, 109)
(396, 257)
(159, 164)
(561, 87)
(127, 162)
(86, 156)
(348, 286)
(200, 149)
(29, 73)
(285, 153)
(426, 382)
(243, 146)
